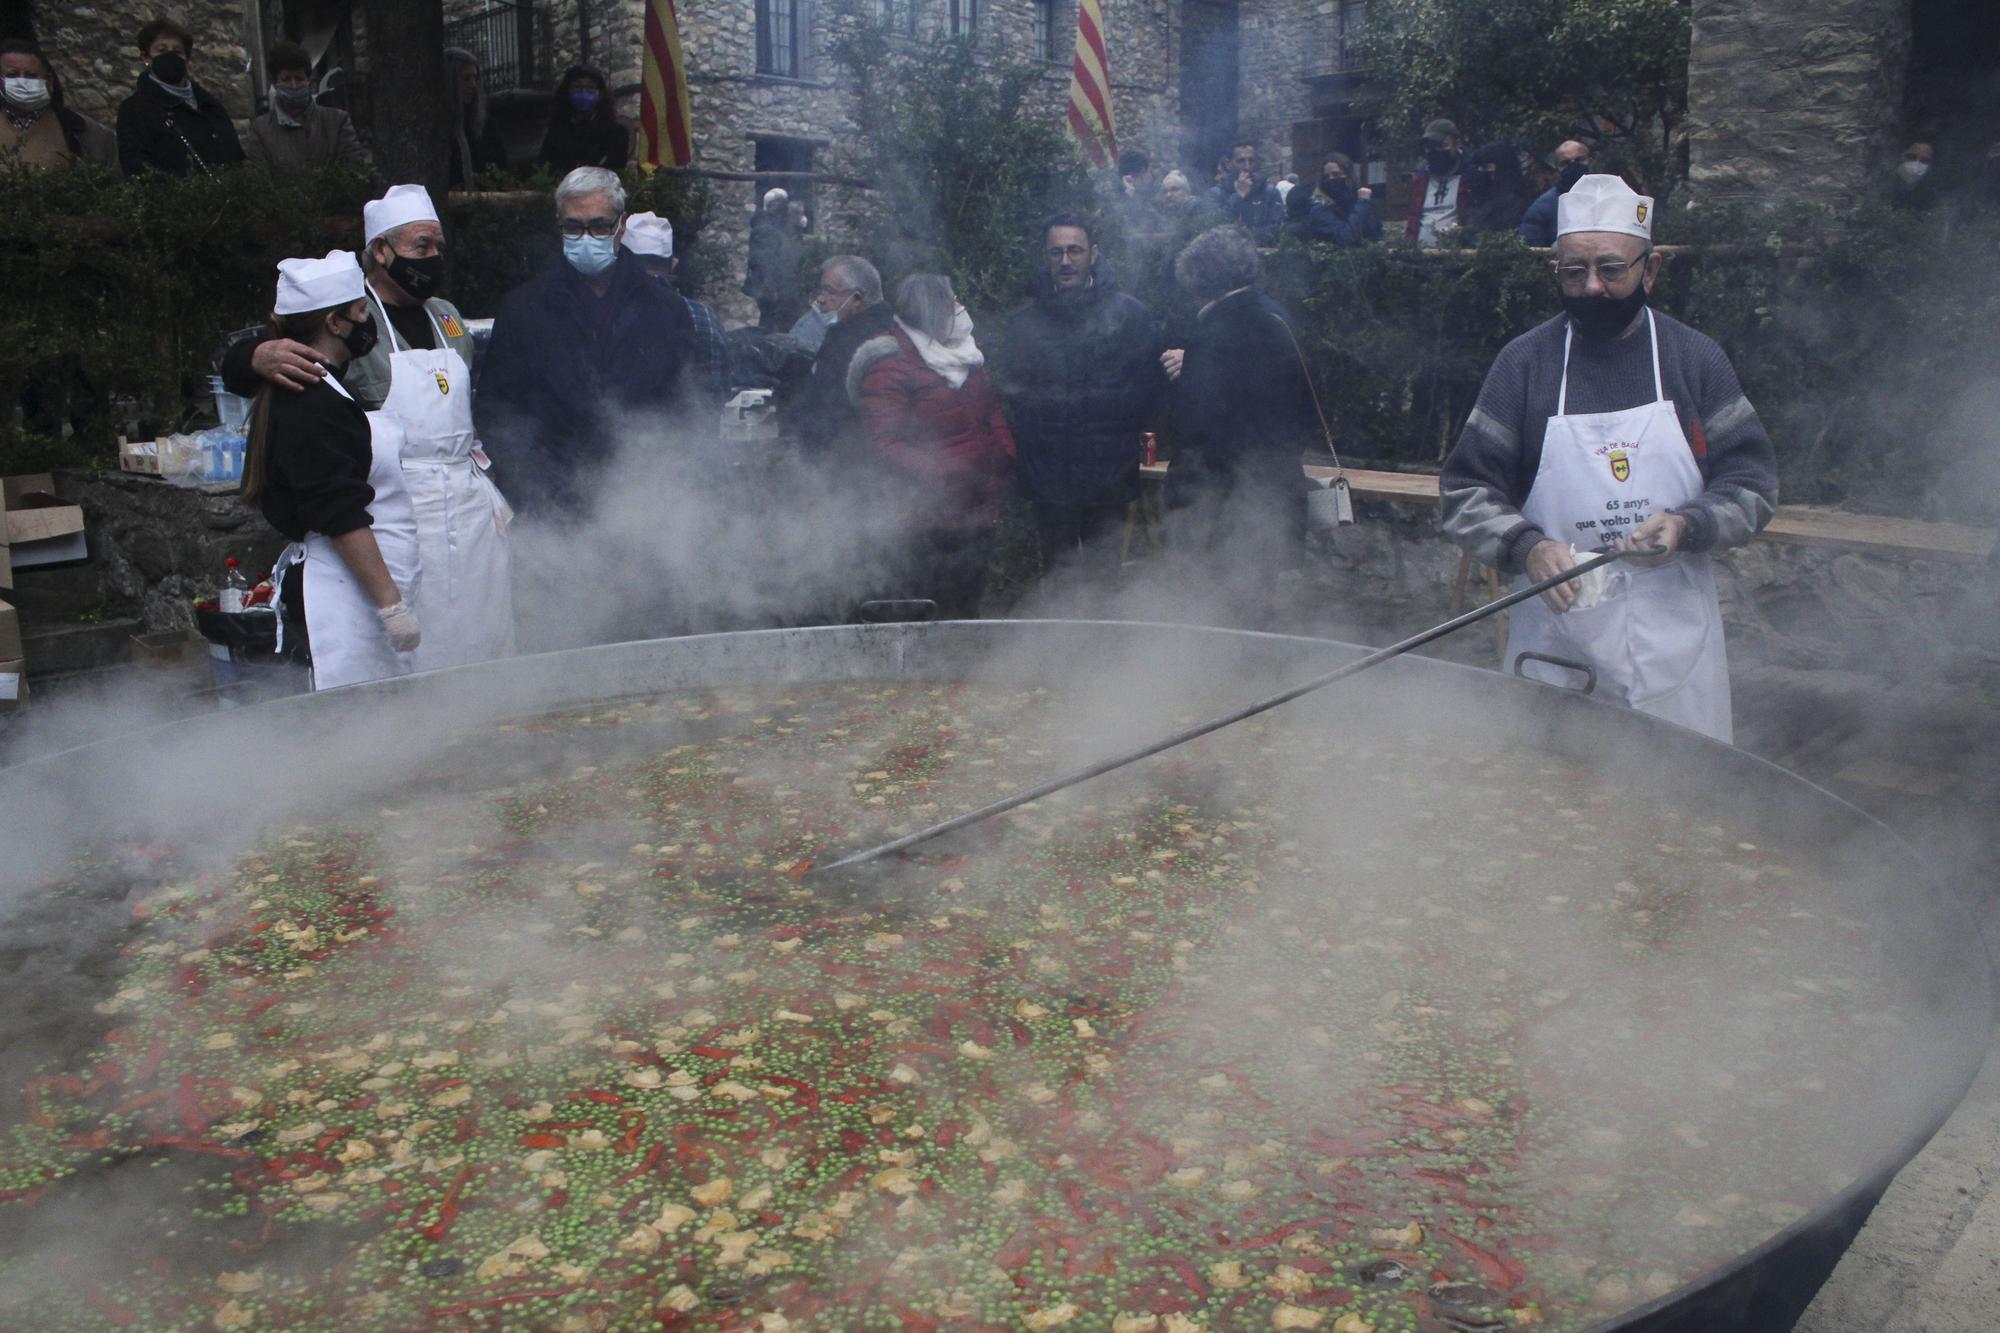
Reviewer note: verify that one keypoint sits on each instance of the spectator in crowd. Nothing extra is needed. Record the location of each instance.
(1437, 190)
(295, 137)
(939, 441)
(170, 123)
(37, 130)
(1135, 175)
(1298, 210)
(849, 298)
(587, 349)
(1496, 193)
(771, 275)
(1176, 197)
(476, 147)
(651, 237)
(328, 476)
(1082, 381)
(1915, 190)
(403, 247)
(583, 127)
(1243, 414)
(1246, 198)
(1612, 423)
(1572, 160)
(1342, 210)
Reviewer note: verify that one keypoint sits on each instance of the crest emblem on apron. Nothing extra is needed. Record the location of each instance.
(1621, 463)
(444, 387)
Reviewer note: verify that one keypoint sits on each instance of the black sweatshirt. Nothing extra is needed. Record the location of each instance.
(317, 480)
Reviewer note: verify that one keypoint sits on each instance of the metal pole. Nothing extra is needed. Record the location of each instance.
(1104, 766)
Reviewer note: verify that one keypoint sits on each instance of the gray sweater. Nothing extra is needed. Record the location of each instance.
(1487, 477)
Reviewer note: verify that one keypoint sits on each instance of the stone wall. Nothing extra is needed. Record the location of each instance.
(1793, 99)
(1280, 43)
(94, 54)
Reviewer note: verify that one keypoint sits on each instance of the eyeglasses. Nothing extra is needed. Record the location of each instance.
(1610, 272)
(598, 227)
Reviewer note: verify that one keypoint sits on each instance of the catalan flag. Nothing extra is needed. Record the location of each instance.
(666, 134)
(1090, 88)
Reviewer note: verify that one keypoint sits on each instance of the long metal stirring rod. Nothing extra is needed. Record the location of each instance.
(1103, 766)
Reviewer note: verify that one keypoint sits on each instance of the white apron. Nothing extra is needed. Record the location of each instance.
(1656, 636)
(348, 645)
(461, 518)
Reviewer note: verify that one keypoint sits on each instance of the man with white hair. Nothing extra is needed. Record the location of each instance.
(587, 353)
(1614, 425)
(771, 277)
(850, 296)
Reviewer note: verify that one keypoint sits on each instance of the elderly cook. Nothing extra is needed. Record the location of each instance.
(1612, 424)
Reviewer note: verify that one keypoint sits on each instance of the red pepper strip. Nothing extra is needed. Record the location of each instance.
(448, 1209)
(466, 1126)
(1072, 1193)
(1496, 1268)
(599, 1096)
(137, 1103)
(686, 1146)
(1185, 1271)
(947, 1133)
(151, 1064)
(912, 1321)
(807, 1092)
(542, 1141)
(556, 1199)
(562, 1124)
(1272, 1237)
(1022, 1034)
(712, 1052)
(188, 1101)
(197, 1145)
(102, 1304)
(653, 1155)
(635, 1125)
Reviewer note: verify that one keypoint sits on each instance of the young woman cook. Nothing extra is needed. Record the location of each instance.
(329, 477)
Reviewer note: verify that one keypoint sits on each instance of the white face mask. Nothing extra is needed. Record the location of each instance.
(961, 326)
(25, 94)
(1913, 171)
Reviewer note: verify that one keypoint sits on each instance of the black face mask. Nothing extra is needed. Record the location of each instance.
(1571, 173)
(1337, 189)
(1605, 316)
(419, 277)
(169, 67)
(1441, 161)
(360, 339)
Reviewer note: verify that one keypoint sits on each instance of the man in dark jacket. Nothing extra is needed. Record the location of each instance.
(590, 349)
(850, 294)
(1437, 192)
(1538, 225)
(1247, 199)
(1080, 376)
(171, 123)
(1243, 414)
(771, 274)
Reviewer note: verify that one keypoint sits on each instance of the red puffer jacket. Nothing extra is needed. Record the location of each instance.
(950, 447)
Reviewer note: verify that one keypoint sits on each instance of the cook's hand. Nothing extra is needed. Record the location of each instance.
(288, 364)
(1242, 185)
(1546, 560)
(399, 623)
(1171, 359)
(1663, 531)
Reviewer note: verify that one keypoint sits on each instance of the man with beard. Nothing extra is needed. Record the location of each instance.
(1437, 194)
(1614, 425)
(1538, 225)
(1080, 378)
(1246, 198)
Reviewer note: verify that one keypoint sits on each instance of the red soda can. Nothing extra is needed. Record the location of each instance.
(1152, 454)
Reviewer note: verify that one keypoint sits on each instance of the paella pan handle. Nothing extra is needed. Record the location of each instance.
(1587, 671)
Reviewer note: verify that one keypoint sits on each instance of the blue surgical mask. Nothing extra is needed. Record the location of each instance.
(583, 99)
(590, 255)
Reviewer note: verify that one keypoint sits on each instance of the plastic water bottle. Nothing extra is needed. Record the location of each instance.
(234, 588)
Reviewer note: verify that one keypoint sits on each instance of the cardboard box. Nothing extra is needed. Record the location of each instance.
(40, 529)
(13, 685)
(10, 633)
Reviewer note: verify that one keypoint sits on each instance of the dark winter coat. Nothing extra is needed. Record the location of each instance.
(1538, 224)
(585, 143)
(1355, 224)
(947, 449)
(159, 132)
(1243, 412)
(829, 422)
(567, 371)
(1262, 210)
(776, 248)
(1080, 375)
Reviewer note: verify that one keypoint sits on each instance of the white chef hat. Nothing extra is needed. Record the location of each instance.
(318, 284)
(1605, 203)
(403, 203)
(649, 234)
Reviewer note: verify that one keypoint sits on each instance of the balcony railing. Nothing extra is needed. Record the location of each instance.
(501, 36)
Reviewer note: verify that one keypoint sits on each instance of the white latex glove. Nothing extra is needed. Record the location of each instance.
(399, 623)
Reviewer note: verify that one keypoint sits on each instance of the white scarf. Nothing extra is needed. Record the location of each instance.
(955, 359)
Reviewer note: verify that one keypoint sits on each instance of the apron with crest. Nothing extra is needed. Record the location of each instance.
(1655, 636)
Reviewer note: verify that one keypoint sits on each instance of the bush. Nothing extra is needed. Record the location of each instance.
(118, 290)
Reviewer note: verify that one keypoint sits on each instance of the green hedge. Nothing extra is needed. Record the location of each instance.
(118, 290)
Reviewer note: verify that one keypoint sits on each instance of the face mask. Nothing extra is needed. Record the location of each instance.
(419, 277)
(291, 100)
(1913, 171)
(961, 327)
(1571, 173)
(169, 67)
(1605, 316)
(583, 99)
(1441, 161)
(590, 255)
(26, 94)
(360, 339)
